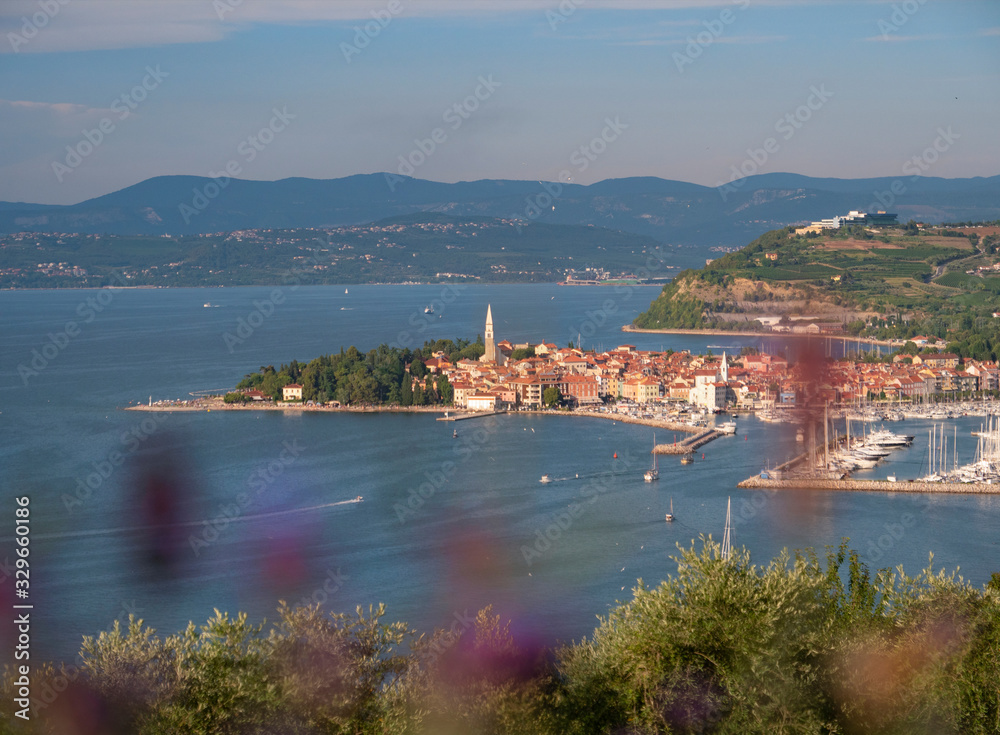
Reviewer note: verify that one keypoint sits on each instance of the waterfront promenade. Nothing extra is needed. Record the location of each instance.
(216, 404)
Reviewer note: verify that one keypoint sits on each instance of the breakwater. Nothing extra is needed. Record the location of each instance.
(878, 486)
(217, 404)
(448, 416)
(626, 419)
(688, 445)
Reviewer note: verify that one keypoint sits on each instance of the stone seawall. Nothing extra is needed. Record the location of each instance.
(881, 486)
(689, 444)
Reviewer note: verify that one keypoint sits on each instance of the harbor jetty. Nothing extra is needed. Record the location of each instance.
(689, 444)
(449, 416)
(627, 419)
(879, 486)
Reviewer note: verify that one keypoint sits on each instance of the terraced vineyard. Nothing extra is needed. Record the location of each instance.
(891, 283)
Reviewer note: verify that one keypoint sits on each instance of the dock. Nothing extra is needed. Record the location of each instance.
(471, 415)
(689, 444)
(876, 486)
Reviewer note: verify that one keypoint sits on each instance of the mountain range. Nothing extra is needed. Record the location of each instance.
(672, 212)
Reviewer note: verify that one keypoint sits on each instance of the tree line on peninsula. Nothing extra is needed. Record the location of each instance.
(385, 375)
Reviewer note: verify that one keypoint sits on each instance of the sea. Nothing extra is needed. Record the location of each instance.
(170, 516)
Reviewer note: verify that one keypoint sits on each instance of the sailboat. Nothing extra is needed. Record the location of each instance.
(345, 290)
(670, 515)
(727, 547)
(653, 473)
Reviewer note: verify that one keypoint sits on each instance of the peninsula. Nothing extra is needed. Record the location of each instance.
(850, 278)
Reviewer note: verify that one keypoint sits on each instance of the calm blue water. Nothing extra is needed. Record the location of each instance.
(478, 535)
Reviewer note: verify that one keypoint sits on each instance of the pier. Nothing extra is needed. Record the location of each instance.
(626, 419)
(472, 415)
(689, 444)
(878, 486)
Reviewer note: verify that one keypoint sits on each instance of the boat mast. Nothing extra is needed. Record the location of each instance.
(943, 449)
(826, 437)
(930, 452)
(727, 549)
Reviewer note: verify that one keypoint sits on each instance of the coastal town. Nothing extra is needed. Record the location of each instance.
(798, 382)
(514, 376)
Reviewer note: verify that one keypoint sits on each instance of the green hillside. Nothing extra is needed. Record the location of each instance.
(892, 283)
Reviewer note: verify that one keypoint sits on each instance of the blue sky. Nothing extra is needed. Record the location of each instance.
(694, 90)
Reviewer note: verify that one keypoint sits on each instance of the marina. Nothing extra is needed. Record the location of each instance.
(832, 465)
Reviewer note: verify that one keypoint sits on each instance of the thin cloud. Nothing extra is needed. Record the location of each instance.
(69, 112)
(84, 25)
(58, 108)
(736, 40)
(893, 38)
(42, 127)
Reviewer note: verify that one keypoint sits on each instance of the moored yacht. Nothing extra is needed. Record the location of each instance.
(653, 473)
(886, 438)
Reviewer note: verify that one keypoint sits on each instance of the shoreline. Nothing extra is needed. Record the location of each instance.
(203, 405)
(217, 405)
(806, 484)
(770, 335)
(325, 285)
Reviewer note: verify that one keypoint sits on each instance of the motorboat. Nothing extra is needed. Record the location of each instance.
(885, 438)
(545, 478)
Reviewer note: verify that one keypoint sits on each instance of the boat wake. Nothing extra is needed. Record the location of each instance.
(592, 475)
(189, 524)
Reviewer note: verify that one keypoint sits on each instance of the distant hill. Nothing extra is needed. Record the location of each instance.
(423, 247)
(672, 212)
(890, 284)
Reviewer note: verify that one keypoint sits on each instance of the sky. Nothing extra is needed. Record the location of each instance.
(98, 95)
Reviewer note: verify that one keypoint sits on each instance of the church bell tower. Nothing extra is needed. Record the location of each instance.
(491, 347)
